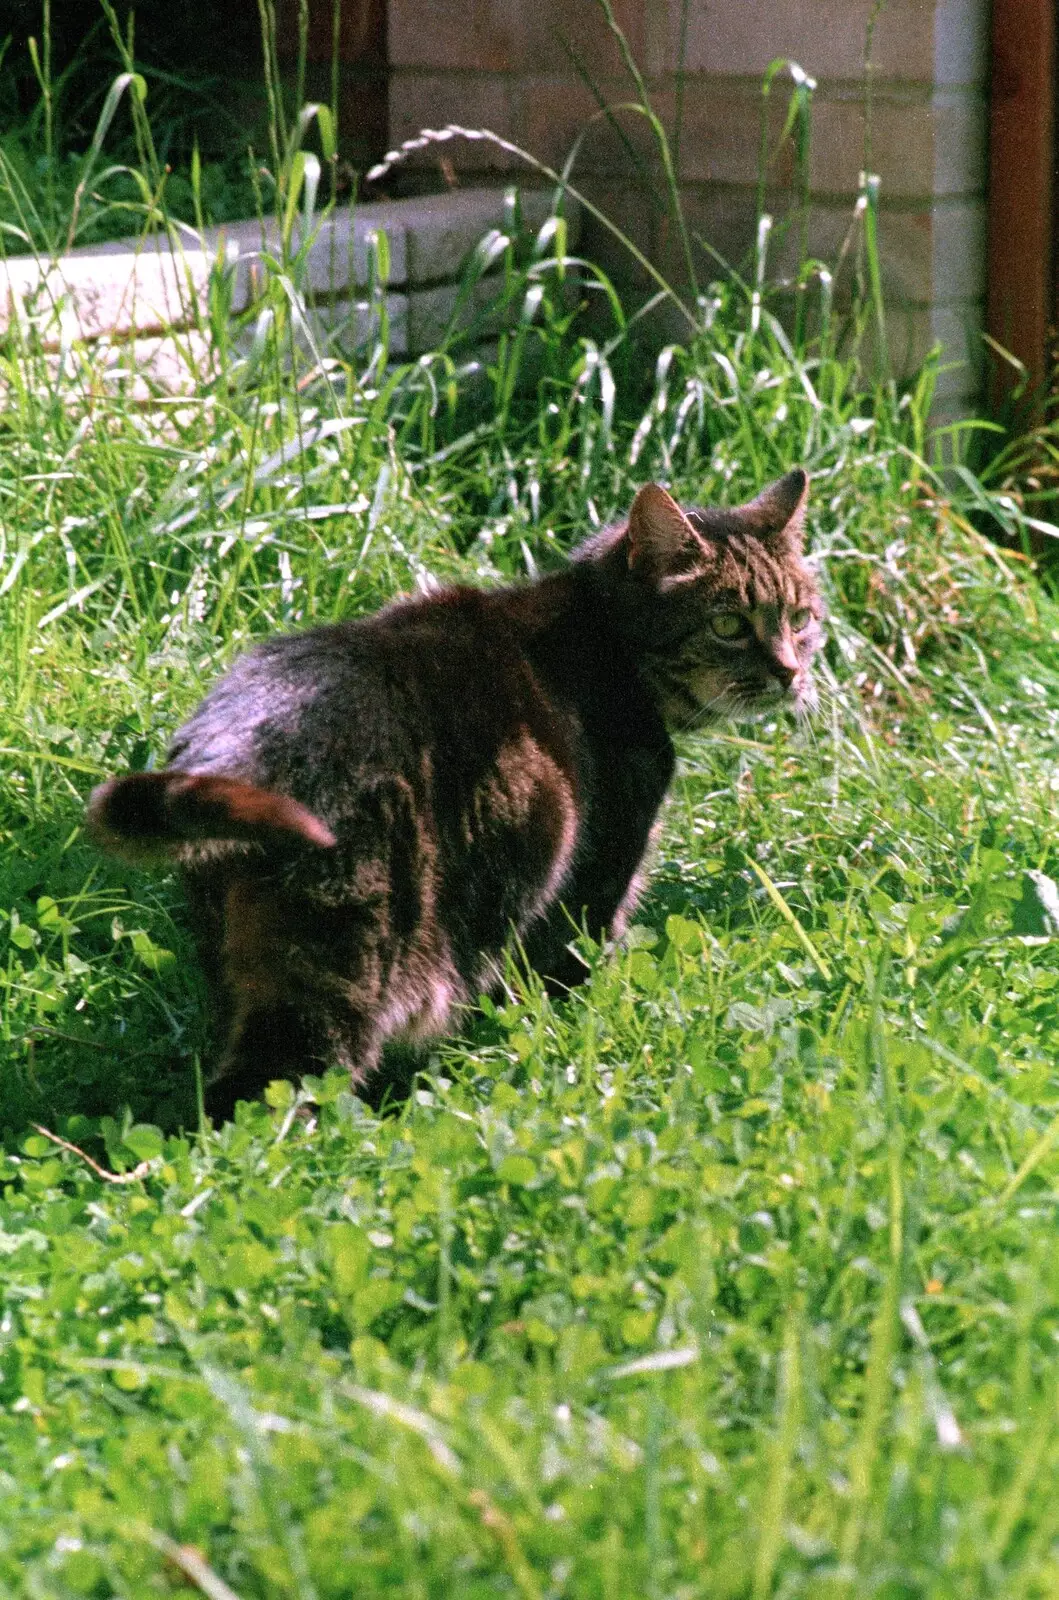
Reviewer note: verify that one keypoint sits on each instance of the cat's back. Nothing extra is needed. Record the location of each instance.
(442, 670)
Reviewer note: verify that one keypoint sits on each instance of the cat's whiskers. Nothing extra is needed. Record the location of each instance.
(753, 704)
(724, 706)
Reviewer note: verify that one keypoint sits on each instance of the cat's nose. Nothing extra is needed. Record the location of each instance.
(785, 667)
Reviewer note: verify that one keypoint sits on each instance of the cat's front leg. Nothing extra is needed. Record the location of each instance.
(604, 889)
(603, 906)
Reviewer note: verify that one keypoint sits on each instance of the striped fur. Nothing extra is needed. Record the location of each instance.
(364, 813)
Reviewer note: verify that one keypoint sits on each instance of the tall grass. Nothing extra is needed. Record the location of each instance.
(194, 154)
(730, 1275)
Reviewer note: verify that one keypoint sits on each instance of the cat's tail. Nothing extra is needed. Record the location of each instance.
(149, 815)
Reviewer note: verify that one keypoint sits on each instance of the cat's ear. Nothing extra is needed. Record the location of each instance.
(778, 512)
(661, 541)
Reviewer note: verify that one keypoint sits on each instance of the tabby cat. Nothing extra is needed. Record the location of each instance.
(364, 813)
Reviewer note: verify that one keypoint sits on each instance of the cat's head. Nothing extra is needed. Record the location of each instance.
(726, 612)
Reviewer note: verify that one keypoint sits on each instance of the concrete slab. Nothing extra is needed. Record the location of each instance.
(152, 296)
(90, 293)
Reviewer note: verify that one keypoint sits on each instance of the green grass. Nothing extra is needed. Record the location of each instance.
(192, 161)
(37, 193)
(733, 1275)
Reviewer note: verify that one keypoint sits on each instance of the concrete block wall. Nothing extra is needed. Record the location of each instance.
(144, 303)
(509, 66)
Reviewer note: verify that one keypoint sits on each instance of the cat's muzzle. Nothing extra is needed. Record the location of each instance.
(766, 699)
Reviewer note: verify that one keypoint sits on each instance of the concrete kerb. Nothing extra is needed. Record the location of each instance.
(154, 288)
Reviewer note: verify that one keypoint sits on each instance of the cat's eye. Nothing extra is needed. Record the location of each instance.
(729, 624)
(800, 619)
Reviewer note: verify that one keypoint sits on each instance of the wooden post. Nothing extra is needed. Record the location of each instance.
(1021, 294)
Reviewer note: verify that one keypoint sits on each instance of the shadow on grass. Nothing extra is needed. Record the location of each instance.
(102, 1007)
